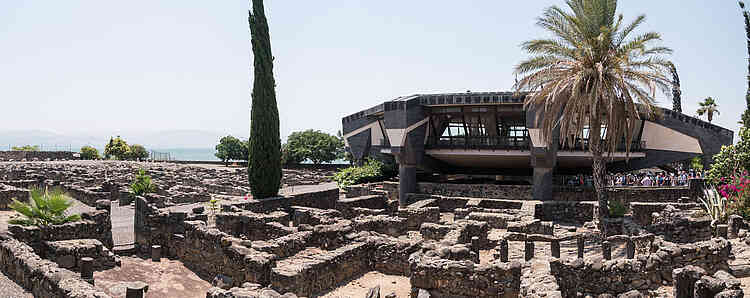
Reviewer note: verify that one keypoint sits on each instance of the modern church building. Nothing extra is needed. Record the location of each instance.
(491, 133)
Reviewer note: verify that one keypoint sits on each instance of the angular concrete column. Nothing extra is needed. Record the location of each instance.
(407, 182)
(543, 183)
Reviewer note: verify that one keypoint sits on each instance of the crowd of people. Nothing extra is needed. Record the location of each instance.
(642, 178)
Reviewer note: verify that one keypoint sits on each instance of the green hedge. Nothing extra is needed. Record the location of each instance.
(372, 171)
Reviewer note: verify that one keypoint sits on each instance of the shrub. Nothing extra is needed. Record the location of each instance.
(142, 184)
(26, 148)
(731, 159)
(736, 189)
(117, 148)
(231, 148)
(44, 208)
(617, 209)
(137, 152)
(371, 171)
(313, 145)
(90, 153)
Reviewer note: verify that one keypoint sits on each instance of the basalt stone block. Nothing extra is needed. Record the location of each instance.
(684, 280)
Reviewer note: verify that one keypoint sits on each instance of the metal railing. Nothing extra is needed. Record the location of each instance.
(478, 142)
(40, 147)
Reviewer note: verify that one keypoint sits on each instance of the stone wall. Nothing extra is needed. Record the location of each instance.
(618, 276)
(562, 193)
(8, 193)
(94, 224)
(643, 212)
(36, 155)
(572, 211)
(451, 278)
(41, 277)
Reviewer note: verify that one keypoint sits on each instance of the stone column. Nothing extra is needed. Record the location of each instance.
(136, 289)
(581, 243)
(475, 244)
(156, 253)
(504, 250)
(684, 280)
(407, 182)
(735, 224)
(606, 250)
(630, 249)
(87, 269)
(555, 248)
(529, 250)
(722, 231)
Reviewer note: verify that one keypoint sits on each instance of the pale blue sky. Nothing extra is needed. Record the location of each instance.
(98, 66)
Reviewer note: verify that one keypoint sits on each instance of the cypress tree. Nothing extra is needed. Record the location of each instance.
(676, 93)
(746, 115)
(264, 166)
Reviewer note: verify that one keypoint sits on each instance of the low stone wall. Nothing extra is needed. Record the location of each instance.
(643, 212)
(683, 229)
(573, 212)
(36, 155)
(449, 278)
(8, 193)
(618, 276)
(563, 193)
(68, 253)
(95, 224)
(41, 277)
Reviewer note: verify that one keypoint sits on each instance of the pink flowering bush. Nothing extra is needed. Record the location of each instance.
(736, 189)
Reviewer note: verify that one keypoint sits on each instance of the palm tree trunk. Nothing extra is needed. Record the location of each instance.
(710, 117)
(598, 170)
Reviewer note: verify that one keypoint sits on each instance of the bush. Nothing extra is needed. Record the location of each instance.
(44, 208)
(371, 171)
(231, 148)
(89, 153)
(731, 159)
(137, 152)
(117, 148)
(26, 148)
(313, 145)
(617, 209)
(142, 184)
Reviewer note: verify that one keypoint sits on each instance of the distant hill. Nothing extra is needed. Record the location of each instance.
(151, 140)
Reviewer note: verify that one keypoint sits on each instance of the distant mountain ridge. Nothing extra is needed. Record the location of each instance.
(151, 140)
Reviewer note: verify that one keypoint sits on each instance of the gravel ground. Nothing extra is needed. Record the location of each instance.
(9, 289)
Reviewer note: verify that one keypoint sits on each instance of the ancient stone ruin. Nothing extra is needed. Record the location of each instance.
(319, 240)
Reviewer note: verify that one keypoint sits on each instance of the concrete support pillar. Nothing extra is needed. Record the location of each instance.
(555, 248)
(407, 182)
(87, 269)
(581, 243)
(606, 250)
(543, 182)
(529, 250)
(156, 253)
(630, 249)
(504, 250)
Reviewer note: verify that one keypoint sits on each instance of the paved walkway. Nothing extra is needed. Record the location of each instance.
(123, 224)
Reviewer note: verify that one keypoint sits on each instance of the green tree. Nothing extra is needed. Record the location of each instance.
(313, 145)
(117, 148)
(231, 148)
(90, 153)
(44, 208)
(708, 107)
(746, 115)
(25, 148)
(264, 166)
(676, 92)
(594, 73)
(732, 159)
(137, 152)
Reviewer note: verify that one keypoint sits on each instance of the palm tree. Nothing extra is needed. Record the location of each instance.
(595, 72)
(44, 208)
(708, 107)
